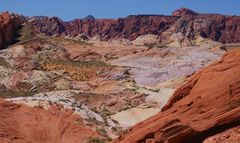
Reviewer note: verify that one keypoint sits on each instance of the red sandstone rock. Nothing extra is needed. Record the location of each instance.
(22, 124)
(205, 106)
(183, 11)
(217, 27)
(229, 136)
(8, 28)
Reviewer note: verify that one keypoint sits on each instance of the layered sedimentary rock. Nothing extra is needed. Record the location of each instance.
(205, 106)
(130, 27)
(190, 24)
(187, 22)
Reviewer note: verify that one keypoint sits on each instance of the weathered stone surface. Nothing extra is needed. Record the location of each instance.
(147, 40)
(9, 25)
(229, 136)
(217, 27)
(205, 106)
(183, 11)
(21, 124)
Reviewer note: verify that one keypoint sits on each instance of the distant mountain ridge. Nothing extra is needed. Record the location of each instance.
(190, 24)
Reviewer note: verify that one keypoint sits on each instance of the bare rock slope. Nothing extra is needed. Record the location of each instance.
(22, 124)
(205, 106)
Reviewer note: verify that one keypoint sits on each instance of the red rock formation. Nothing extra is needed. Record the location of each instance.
(217, 27)
(47, 25)
(229, 136)
(205, 106)
(130, 27)
(8, 28)
(183, 11)
(6, 31)
(22, 124)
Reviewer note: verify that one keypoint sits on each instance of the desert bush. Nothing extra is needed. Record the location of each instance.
(4, 63)
(59, 40)
(95, 140)
(13, 94)
(26, 33)
(82, 70)
(104, 133)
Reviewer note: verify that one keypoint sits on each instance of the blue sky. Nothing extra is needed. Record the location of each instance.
(70, 9)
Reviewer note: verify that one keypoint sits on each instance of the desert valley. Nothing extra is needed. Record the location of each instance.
(139, 79)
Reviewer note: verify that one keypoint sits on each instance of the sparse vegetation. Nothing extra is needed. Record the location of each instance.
(82, 63)
(4, 63)
(4, 92)
(59, 40)
(129, 105)
(95, 140)
(82, 71)
(12, 94)
(104, 133)
(91, 121)
(26, 33)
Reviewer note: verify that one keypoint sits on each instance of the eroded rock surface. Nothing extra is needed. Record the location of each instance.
(9, 24)
(191, 24)
(205, 106)
(21, 124)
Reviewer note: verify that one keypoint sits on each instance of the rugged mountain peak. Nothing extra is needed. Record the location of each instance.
(220, 28)
(183, 11)
(89, 17)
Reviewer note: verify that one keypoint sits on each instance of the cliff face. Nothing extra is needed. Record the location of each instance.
(206, 106)
(217, 27)
(190, 24)
(130, 27)
(9, 25)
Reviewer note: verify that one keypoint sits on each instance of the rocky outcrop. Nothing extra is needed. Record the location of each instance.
(213, 26)
(183, 12)
(9, 24)
(147, 40)
(190, 24)
(130, 27)
(47, 25)
(205, 106)
(21, 124)
(229, 136)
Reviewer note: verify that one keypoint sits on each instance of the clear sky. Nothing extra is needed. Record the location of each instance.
(70, 9)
